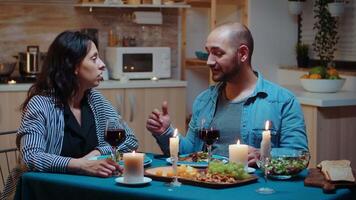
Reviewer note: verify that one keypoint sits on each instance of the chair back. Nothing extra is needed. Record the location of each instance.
(8, 156)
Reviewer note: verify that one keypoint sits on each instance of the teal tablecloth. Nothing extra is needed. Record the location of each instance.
(36, 185)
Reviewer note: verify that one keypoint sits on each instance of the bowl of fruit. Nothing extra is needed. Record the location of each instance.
(321, 79)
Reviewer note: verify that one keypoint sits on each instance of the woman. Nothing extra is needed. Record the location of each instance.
(64, 119)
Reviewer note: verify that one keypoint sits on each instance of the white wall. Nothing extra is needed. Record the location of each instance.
(275, 35)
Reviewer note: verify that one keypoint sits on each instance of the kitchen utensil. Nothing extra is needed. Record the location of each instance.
(6, 69)
(30, 62)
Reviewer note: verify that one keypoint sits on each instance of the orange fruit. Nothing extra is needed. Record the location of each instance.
(306, 76)
(332, 72)
(315, 76)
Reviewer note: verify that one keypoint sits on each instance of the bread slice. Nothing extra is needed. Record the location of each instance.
(337, 170)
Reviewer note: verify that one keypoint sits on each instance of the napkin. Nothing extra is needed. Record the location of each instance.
(337, 170)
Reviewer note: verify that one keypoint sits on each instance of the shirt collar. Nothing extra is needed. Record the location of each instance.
(259, 91)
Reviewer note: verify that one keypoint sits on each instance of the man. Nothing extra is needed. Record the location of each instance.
(238, 105)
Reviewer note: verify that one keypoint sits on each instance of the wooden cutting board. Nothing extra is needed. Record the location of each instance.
(316, 179)
(152, 174)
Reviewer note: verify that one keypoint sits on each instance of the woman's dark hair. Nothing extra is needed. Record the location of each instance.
(57, 76)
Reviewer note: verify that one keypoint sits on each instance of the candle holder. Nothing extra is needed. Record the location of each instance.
(175, 182)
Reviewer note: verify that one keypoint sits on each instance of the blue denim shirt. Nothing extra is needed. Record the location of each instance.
(268, 102)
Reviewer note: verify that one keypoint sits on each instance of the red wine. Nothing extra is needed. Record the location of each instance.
(209, 136)
(115, 137)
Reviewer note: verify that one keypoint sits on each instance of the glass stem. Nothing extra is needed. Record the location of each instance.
(175, 160)
(113, 154)
(209, 153)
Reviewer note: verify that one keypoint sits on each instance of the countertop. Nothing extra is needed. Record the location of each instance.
(109, 84)
(341, 98)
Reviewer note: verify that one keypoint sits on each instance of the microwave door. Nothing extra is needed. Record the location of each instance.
(137, 63)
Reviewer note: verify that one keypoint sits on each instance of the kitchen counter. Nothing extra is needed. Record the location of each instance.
(341, 98)
(330, 120)
(109, 84)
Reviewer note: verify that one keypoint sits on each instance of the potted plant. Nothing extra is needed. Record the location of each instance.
(295, 6)
(326, 36)
(302, 51)
(323, 78)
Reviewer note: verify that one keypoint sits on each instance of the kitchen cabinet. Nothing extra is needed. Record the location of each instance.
(135, 104)
(331, 133)
(10, 115)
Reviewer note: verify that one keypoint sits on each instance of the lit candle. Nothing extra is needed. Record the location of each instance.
(11, 82)
(133, 165)
(238, 153)
(266, 141)
(174, 144)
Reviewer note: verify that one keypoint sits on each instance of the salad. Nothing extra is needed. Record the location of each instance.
(287, 165)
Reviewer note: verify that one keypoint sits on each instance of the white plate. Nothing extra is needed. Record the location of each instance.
(250, 170)
(146, 161)
(144, 181)
(199, 164)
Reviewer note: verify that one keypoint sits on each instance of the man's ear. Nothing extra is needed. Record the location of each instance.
(243, 51)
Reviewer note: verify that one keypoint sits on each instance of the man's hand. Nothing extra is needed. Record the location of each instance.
(253, 156)
(158, 121)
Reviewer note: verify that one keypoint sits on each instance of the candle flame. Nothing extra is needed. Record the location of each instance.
(175, 132)
(267, 125)
(238, 142)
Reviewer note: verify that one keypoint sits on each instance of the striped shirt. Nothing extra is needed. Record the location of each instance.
(42, 131)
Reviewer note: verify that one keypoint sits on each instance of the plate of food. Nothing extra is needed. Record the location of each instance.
(146, 160)
(197, 159)
(217, 175)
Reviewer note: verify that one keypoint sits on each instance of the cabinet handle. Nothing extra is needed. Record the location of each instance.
(132, 100)
(119, 103)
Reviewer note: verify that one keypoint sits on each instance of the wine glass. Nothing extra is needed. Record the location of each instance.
(263, 163)
(209, 135)
(115, 135)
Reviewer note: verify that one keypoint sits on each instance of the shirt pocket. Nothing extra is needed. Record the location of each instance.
(255, 137)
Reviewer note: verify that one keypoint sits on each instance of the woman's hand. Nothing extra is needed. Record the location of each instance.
(101, 168)
(253, 156)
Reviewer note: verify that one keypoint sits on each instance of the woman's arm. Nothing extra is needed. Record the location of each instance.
(39, 145)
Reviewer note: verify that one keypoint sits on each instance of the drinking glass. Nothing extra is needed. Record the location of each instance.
(263, 163)
(209, 134)
(115, 135)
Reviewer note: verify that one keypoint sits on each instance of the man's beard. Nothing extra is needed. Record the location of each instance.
(230, 75)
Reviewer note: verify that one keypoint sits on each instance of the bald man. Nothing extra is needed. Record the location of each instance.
(238, 105)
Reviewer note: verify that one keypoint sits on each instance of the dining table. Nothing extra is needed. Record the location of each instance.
(39, 185)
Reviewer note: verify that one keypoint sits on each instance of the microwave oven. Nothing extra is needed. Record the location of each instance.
(138, 62)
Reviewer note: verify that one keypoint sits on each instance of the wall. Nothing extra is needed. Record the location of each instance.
(275, 34)
(23, 24)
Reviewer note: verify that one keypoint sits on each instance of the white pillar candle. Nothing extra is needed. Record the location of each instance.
(133, 167)
(238, 153)
(174, 144)
(266, 142)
